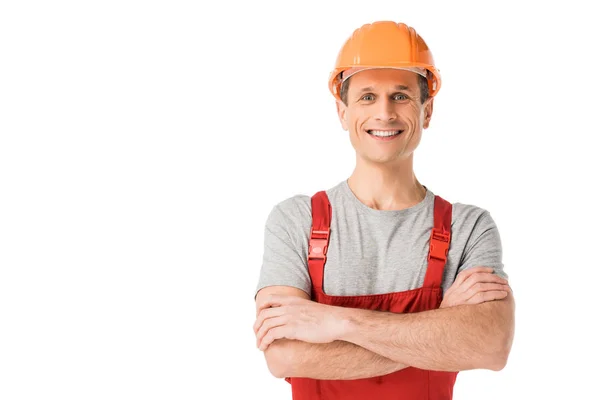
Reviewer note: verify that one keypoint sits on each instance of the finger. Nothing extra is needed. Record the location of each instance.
(268, 313)
(460, 288)
(279, 332)
(484, 287)
(450, 289)
(268, 325)
(267, 302)
(274, 300)
(481, 277)
(458, 284)
(463, 275)
(482, 297)
(488, 277)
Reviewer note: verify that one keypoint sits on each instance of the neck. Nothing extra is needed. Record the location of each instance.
(386, 186)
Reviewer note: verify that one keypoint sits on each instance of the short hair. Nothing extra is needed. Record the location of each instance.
(423, 87)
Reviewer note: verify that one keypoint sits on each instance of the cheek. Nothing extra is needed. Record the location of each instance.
(414, 116)
(355, 120)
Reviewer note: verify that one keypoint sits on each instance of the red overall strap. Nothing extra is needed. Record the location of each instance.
(439, 242)
(319, 238)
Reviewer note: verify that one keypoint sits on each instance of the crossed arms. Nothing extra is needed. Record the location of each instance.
(473, 328)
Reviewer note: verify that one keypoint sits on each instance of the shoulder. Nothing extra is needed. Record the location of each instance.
(473, 224)
(297, 209)
(290, 219)
(292, 210)
(465, 215)
(477, 235)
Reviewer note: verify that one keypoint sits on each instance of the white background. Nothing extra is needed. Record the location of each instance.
(143, 145)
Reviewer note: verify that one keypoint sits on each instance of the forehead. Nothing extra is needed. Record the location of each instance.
(383, 78)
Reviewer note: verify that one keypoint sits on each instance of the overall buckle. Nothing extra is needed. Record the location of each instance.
(438, 245)
(317, 246)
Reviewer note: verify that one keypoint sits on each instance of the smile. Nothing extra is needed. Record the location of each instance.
(384, 135)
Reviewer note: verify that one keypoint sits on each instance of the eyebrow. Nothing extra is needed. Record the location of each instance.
(397, 87)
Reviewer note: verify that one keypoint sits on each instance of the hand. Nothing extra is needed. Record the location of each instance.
(296, 318)
(474, 286)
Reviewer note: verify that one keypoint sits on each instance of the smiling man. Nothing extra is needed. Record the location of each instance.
(377, 288)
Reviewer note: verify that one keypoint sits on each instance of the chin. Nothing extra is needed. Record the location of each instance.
(381, 159)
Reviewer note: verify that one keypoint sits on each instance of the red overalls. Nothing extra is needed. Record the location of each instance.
(408, 383)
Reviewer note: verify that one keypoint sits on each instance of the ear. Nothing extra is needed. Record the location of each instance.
(428, 106)
(341, 110)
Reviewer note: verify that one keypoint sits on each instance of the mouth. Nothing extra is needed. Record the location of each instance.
(384, 134)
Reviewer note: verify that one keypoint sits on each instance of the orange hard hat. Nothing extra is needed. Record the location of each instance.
(384, 44)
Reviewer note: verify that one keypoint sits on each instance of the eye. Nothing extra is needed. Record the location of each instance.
(368, 97)
(400, 96)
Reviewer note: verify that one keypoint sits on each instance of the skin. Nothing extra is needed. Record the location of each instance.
(385, 99)
(472, 286)
(302, 338)
(476, 332)
(376, 101)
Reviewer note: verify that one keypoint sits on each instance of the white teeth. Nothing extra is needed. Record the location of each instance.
(384, 133)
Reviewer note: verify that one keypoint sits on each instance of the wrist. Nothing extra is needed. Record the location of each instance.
(349, 322)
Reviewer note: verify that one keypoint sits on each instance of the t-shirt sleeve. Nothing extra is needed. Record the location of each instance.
(484, 247)
(285, 250)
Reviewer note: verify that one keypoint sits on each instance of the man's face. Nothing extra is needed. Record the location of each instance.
(383, 102)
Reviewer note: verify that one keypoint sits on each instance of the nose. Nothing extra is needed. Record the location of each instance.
(386, 111)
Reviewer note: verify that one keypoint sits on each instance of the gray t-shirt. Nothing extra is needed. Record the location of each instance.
(373, 251)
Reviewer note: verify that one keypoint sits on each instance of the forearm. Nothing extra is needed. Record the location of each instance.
(336, 360)
(450, 339)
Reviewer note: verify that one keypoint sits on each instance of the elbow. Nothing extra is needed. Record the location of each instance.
(499, 359)
(498, 362)
(504, 340)
(279, 356)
